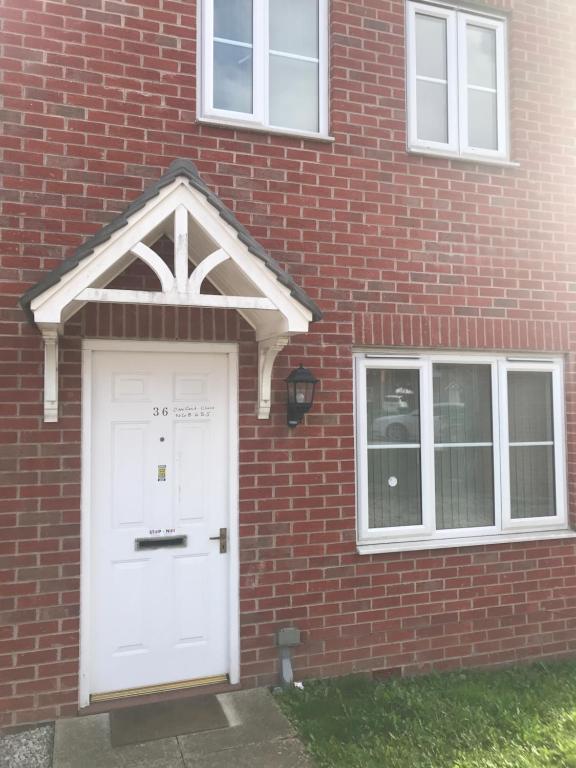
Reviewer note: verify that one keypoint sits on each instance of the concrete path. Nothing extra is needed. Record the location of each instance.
(259, 736)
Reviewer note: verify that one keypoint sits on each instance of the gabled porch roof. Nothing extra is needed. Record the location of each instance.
(208, 241)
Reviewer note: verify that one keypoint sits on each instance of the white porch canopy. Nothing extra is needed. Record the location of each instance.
(208, 242)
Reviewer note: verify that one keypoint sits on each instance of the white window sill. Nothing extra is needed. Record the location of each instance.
(239, 126)
(503, 163)
(378, 548)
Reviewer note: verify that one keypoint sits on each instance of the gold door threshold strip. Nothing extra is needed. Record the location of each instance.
(163, 688)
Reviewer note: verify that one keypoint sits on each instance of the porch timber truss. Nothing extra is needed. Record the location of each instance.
(208, 242)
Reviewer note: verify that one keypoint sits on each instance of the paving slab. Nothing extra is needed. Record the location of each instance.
(29, 748)
(258, 736)
(84, 742)
(261, 736)
(282, 753)
(255, 717)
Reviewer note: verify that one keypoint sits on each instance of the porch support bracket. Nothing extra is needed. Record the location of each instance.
(50, 335)
(268, 350)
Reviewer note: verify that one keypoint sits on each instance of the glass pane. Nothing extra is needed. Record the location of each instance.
(482, 119)
(394, 493)
(431, 49)
(464, 487)
(481, 56)
(532, 481)
(233, 77)
(530, 417)
(294, 27)
(233, 20)
(462, 403)
(293, 93)
(432, 103)
(393, 406)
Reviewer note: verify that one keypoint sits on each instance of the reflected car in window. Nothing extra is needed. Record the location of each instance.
(404, 427)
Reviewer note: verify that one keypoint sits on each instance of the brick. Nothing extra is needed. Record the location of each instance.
(398, 250)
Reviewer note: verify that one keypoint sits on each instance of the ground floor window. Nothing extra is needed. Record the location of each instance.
(453, 447)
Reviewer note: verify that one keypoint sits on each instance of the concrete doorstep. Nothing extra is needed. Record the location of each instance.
(258, 735)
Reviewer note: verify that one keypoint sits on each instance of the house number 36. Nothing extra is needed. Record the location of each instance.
(160, 412)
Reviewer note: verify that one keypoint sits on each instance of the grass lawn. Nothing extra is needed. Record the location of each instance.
(523, 717)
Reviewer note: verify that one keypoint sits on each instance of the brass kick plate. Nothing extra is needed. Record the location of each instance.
(147, 690)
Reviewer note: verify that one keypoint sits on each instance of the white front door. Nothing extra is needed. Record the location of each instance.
(159, 584)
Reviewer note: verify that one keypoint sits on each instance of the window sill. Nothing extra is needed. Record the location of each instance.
(238, 126)
(462, 158)
(470, 541)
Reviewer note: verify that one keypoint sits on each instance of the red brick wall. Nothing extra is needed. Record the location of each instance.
(98, 98)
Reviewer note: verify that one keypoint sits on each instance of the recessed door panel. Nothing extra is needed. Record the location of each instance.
(129, 463)
(130, 388)
(127, 614)
(191, 473)
(191, 606)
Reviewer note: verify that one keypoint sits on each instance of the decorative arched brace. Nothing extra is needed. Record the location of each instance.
(204, 268)
(159, 267)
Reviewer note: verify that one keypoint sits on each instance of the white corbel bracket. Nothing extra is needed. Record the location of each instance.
(268, 350)
(50, 335)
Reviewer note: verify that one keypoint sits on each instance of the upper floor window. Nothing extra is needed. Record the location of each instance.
(264, 64)
(457, 82)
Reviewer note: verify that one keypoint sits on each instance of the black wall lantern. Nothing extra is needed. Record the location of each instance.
(300, 385)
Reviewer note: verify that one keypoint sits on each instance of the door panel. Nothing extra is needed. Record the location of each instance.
(191, 607)
(191, 474)
(160, 438)
(129, 461)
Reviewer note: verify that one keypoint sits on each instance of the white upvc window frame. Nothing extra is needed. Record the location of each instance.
(373, 540)
(258, 119)
(457, 20)
(534, 523)
(413, 9)
(366, 533)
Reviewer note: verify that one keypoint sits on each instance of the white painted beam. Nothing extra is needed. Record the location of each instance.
(174, 299)
(181, 248)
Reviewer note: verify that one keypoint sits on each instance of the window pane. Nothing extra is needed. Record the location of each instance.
(530, 417)
(432, 103)
(393, 402)
(532, 481)
(233, 77)
(482, 119)
(464, 487)
(464, 474)
(394, 493)
(294, 27)
(233, 20)
(293, 93)
(481, 56)
(431, 49)
(462, 403)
